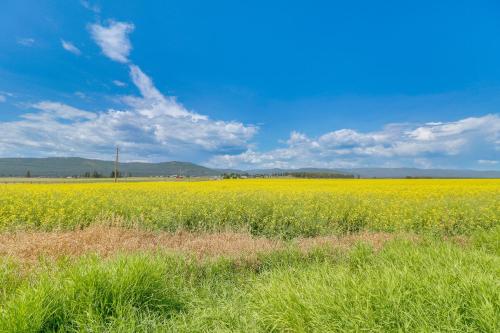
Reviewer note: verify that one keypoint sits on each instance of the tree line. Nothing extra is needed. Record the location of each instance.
(88, 174)
(305, 174)
(294, 174)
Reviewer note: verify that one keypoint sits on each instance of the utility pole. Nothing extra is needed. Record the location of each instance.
(116, 165)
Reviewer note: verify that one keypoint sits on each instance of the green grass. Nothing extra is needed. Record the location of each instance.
(426, 287)
(404, 289)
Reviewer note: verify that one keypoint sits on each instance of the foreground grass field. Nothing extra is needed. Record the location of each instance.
(251, 256)
(423, 286)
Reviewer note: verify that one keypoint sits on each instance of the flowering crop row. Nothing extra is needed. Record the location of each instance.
(272, 207)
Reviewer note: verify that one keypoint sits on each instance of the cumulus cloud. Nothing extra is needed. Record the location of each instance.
(70, 47)
(113, 39)
(416, 145)
(149, 127)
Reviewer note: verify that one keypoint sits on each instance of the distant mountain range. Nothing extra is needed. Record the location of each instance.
(75, 166)
(422, 173)
(391, 172)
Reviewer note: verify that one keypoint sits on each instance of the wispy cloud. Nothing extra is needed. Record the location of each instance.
(80, 94)
(26, 41)
(119, 83)
(87, 5)
(55, 110)
(416, 145)
(70, 47)
(113, 39)
(4, 95)
(488, 162)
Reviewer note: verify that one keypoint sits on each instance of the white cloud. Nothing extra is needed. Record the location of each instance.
(409, 144)
(422, 163)
(488, 162)
(4, 95)
(80, 94)
(70, 47)
(94, 8)
(119, 83)
(150, 127)
(434, 131)
(113, 39)
(54, 110)
(26, 41)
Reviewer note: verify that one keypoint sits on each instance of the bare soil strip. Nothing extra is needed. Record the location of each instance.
(107, 241)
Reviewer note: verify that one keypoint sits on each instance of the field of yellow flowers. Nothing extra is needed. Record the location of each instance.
(272, 207)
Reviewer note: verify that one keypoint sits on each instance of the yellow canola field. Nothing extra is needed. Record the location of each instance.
(272, 207)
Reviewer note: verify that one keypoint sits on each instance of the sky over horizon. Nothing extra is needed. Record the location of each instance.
(285, 84)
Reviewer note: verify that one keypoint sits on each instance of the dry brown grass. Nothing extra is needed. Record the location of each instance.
(108, 240)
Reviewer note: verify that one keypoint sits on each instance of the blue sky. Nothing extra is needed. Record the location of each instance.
(253, 84)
